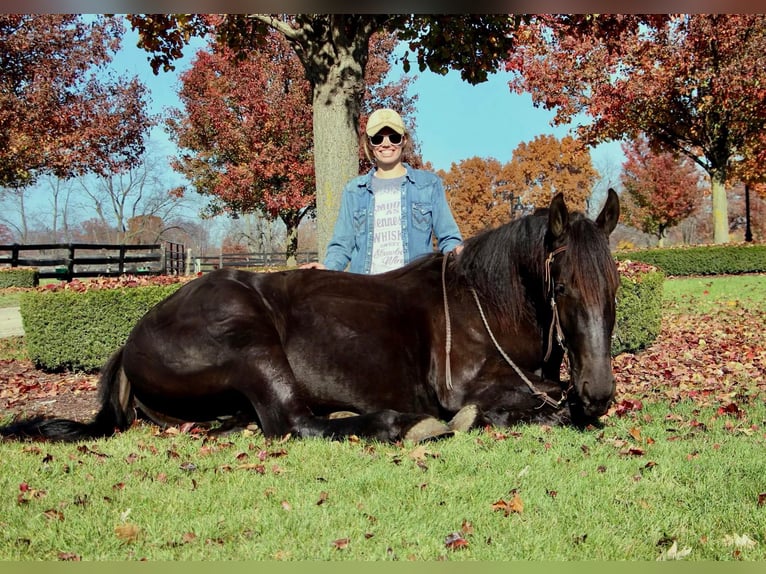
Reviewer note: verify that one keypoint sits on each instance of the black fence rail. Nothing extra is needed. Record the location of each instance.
(69, 260)
(207, 263)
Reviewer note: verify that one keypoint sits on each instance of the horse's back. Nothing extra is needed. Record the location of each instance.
(340, 339)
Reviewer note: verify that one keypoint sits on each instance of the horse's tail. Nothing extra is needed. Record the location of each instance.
(115, 414)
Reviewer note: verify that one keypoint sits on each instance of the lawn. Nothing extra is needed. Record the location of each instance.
(675, 473)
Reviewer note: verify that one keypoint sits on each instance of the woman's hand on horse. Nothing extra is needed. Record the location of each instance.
(313, 265)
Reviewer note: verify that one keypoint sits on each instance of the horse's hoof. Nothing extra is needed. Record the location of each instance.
(428, 429)
(342, 415)
(464, 419)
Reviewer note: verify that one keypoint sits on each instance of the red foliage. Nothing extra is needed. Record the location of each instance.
(56, 116)
(661, 188)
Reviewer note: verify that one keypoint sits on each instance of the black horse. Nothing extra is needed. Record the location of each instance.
(478, 337)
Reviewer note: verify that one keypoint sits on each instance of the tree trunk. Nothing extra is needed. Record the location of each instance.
(334, 50)
(336, 152)
(720, 208)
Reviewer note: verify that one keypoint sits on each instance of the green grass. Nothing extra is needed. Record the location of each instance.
(624, 492)
(9, 298)
(703, 294)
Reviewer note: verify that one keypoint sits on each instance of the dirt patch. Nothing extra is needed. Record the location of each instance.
(26, 391)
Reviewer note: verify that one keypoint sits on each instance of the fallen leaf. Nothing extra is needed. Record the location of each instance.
(673, 553)
(740, 541)
(69, 557)
(455, 541)
(53, 514)
(257, 467)
(513, 506)
(341, 543)
(127, 532)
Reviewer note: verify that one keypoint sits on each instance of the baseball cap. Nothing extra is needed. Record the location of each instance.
(385, 118)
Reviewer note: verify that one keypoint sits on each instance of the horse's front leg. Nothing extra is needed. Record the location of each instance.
(508, 400)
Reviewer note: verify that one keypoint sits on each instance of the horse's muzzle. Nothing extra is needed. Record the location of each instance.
(594, 400)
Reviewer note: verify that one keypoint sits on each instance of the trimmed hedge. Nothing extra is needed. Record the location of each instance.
(639, 307)
(703, 259)
(80, 330)
(19, 277)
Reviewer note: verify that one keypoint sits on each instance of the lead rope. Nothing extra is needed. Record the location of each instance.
(544, 396)
(448, 337)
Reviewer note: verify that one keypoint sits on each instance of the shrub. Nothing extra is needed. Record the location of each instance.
(18, 277)
(79, 325)
(702, 259)
(639, 307)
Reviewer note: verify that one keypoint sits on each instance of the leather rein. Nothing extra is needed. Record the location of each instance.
(555, 326)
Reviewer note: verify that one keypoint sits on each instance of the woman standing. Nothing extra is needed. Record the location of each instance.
(391, 215)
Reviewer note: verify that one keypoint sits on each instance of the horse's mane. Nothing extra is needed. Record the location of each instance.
(495, 263)
(506, 265)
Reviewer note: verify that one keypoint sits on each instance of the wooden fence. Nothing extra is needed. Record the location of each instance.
(208, 263)
(69, 260)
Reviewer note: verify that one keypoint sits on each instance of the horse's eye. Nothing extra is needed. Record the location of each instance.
(559, 288)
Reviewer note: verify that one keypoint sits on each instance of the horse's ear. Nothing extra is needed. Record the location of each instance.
(610, 213)
(558, 217)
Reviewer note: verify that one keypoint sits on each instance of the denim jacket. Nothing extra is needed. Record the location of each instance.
(425, 214)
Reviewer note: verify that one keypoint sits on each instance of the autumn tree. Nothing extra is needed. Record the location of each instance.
(660, 188)
(477, 195)
(693, 83)
(245, 131)
(546, 166)
(334, 50)
(59, 112)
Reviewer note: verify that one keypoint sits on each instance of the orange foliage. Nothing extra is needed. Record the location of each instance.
(477, 196)
(545, 166)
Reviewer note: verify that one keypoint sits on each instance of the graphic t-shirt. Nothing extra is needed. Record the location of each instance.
(387, 246)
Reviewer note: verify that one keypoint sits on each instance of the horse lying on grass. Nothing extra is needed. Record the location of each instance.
(478, 338)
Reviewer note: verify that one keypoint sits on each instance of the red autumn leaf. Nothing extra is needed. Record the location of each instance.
(627, 405)
(730, 409)
(455, 541)
(341, 543)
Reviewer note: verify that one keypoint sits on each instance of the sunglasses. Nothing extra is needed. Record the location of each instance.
(394, 138)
